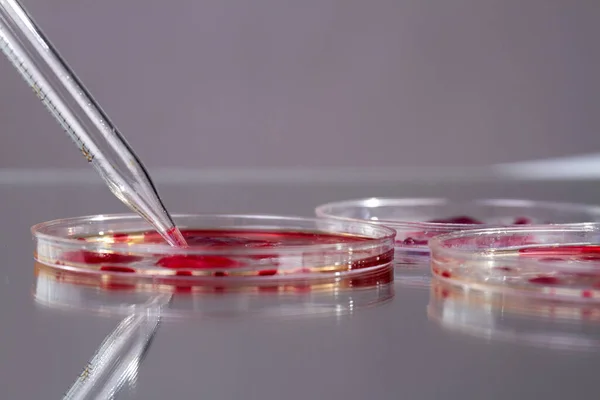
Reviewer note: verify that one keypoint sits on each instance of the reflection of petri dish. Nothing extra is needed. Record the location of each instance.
(517, 319)
(418, 220)
(126, 294)
(223, 249)
(561, 262)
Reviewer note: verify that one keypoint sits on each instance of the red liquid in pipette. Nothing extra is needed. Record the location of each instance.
(176, 237)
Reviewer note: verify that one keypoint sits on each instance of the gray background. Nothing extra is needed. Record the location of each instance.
(321, 83)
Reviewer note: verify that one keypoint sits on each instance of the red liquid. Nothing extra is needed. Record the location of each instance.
(419, 239)
(270, 247)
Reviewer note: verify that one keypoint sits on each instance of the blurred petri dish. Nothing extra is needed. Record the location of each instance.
(558, 262)
(74, 291)
(223, 249)
(416, 220)
(516, 319)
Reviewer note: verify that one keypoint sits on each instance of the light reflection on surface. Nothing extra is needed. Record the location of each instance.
(518, 319)
(124, 295)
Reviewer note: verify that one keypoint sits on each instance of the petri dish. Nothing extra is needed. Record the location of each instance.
(416, 220)
(223, 249)
(522, 320)
(557, 262)
(73, 291)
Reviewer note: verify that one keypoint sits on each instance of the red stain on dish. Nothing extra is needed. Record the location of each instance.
(267, 272)
(446, 274)
(561, 250)
(461, 219)
(522, 221)
(90, 257)
(545, 280)
(116, 268)
(553, 259)
(196, 262)
(121, 237)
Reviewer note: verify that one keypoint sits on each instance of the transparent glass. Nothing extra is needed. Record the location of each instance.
(74, 108)
(522, 320)
(560, 262)
(417, 220)
(222, 248)
(121, 295)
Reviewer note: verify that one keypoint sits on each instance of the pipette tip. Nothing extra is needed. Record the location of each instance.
(175, 237)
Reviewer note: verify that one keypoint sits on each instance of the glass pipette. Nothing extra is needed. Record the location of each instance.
(81, 117)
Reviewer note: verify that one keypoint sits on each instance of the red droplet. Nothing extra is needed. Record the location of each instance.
(267, 272)
(446, 274)
(89, 257)
(220, 274)
(196, 262)
(545, 280)
(116, 268)
(183, 273)
(586, 294)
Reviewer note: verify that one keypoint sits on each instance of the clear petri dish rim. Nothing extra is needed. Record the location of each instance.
(338, 210)
(65, 231)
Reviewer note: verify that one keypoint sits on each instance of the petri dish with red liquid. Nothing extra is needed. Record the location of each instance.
(529, 321)
(222, 249)
(417, 220)
(557, 262)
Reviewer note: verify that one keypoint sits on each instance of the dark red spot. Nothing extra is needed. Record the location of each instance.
(586, 294)
(121, 237)
(220, 274)
(446, 274)
(116, 268)
(268, 289)
(183, 273)
(196, 262)
(522, 221)
(409, 241)
(552, 259)
(545, 280)
(590, 257)
(267, 272)
(504, 269)
(89, 257)
(461, 219)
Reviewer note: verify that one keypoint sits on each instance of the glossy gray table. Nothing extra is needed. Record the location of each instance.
(386, 352)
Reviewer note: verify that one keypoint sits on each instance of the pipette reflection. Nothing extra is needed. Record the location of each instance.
(118, 359)
(517, 319)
